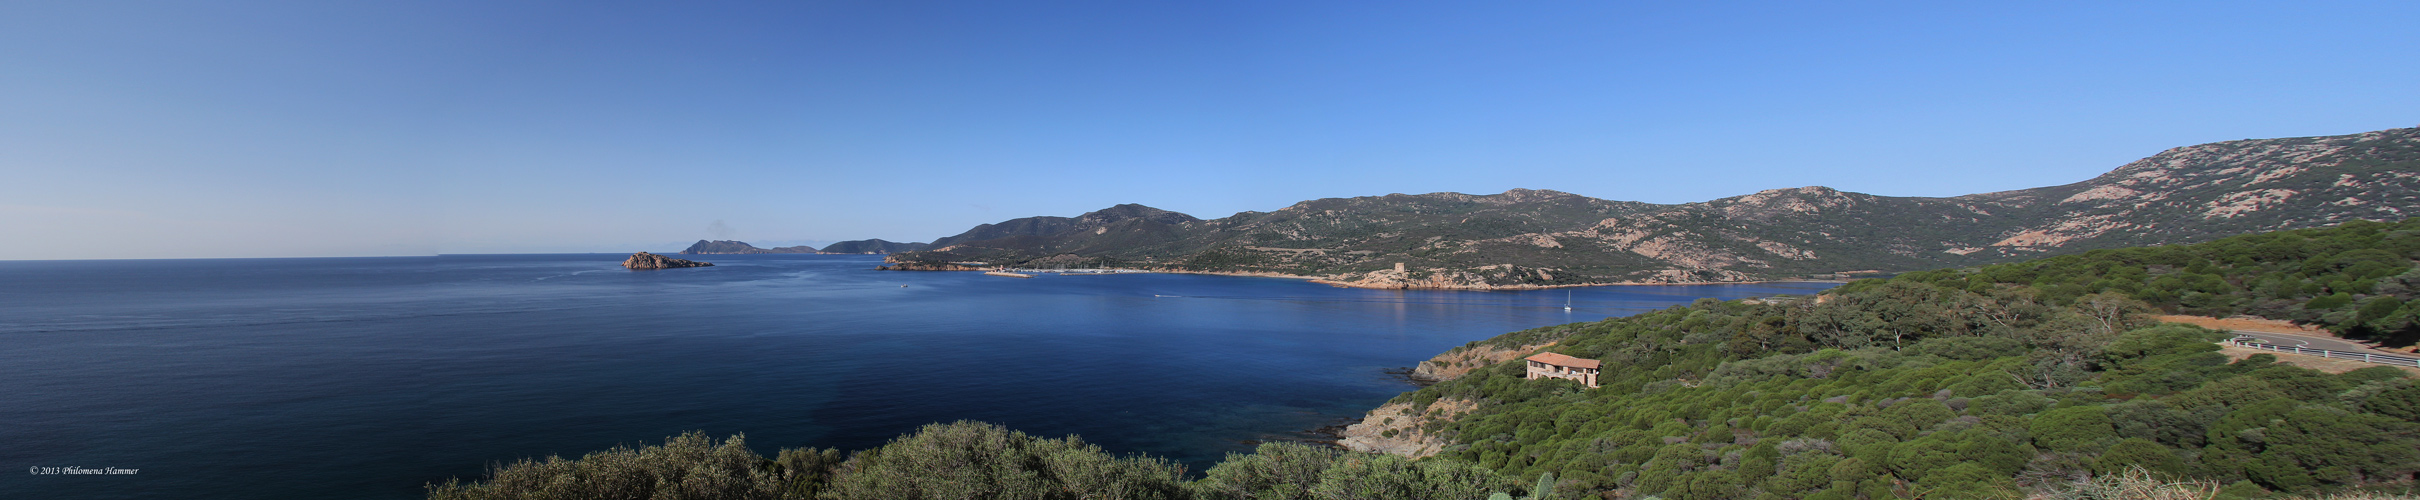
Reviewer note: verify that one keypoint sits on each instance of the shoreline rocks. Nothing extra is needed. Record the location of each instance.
(927, 266)
(646, 261)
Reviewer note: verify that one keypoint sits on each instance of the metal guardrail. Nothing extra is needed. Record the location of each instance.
(2366, 357)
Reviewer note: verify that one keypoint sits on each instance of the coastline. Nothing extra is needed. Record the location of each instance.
(1579, 285)
(1346, 284)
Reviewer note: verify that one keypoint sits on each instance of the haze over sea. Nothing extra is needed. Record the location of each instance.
(369, 377)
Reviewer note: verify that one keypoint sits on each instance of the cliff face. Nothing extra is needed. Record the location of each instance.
(644, 261)
(1532, 238)
(729, 247)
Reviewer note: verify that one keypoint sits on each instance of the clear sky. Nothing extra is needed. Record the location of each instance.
(315, 128)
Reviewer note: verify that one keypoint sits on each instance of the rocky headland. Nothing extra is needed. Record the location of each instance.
(1399, 428)
(645, 261)
(1403, 428)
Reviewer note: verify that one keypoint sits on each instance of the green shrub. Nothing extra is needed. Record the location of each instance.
(2072, 429)
(2010, 403)
(1274, 471)
(1368, 476)
(688, 466)
(977, 460)
(2139, 453)
(1967, 481)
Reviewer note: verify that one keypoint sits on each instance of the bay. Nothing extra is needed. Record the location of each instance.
(370, 377)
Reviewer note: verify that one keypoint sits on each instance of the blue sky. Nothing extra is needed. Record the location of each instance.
(245, 129)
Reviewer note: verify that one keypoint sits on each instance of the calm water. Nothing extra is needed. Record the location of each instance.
(367, 378)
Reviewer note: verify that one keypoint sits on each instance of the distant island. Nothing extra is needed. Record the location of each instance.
(645, 261)
(729, 247)
(872, 246)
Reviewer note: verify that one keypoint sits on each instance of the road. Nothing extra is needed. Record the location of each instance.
(2312, 342)
(2307, 341)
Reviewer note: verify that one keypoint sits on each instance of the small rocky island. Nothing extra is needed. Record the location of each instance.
(644, 260)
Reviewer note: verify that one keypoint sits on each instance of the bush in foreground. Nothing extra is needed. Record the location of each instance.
(691, 466)
(970, 460)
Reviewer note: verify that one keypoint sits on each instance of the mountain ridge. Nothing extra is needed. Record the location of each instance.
(1525, 238)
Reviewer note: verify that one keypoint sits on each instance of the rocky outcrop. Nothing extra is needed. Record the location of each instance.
(1419, 279)
(645, 261)
(1461, 360)
(729, 247)
(1402, 429)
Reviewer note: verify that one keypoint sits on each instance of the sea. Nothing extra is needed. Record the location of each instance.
(374, 377)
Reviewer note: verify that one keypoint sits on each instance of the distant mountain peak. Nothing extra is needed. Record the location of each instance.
(1519, 195)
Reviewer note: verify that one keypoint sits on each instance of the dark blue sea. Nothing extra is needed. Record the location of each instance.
(371, 377)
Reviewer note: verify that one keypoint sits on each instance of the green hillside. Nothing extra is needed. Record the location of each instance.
(2355, 279)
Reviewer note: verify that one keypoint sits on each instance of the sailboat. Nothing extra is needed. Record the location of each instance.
(1566, 301)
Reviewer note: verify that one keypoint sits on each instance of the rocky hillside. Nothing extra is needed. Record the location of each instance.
(727, 247)
(872, 246)
(2222, 189)
(1527, 238)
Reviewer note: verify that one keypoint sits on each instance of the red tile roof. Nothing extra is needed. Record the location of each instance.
(1562, 360)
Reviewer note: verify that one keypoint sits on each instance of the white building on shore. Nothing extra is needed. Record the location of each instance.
(1554, 365)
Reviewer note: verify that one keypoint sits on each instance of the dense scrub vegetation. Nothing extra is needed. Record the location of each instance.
(2044, 378)
(2355, 279)
(968, 460)
(1973, 383)
(1906, 389)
